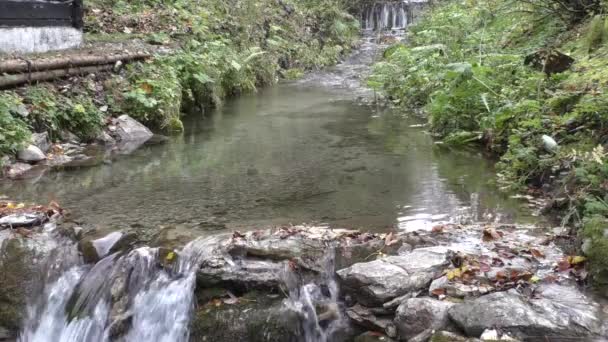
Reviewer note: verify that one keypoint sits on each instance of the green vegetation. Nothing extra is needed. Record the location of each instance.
(465, 64)
(56, 113)
(221, 49)
(13, 130)
(214, 49)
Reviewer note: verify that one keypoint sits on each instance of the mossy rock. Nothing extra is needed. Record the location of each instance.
(596, 230)
(17, 277)
(255, 318)
(88, 251)
(372, 337)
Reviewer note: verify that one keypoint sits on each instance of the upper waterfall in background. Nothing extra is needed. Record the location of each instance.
(386, 16)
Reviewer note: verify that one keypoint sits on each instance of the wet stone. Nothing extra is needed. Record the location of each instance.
(379, 281)
(22, 220)
(447, 336)
(552, 314)
(365, 318)
(371, 336)
(255, 318)
(416, 315)
(93, 250)
(17, 170)
(31, 154)
(42, 141)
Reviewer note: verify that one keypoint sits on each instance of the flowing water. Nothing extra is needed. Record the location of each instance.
(390, 15)
(306, 151)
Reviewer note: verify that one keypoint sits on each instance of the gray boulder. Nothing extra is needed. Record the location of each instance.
(376, 282)
(416, 315)
(129, 133)
(365, 318)
(307, 253)
(129, 129)
(241, 274)
(31, 154)
(42, 141)
(560, 311)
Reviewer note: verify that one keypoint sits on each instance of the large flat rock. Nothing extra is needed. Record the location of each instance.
(376, 282)
(559, 311)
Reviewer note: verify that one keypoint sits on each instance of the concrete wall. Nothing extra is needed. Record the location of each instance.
(38, 39)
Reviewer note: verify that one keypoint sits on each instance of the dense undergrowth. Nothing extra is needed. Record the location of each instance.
(218, 49)
(464, 64)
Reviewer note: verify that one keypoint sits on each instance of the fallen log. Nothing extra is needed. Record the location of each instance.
(14, 66)
(9, 81)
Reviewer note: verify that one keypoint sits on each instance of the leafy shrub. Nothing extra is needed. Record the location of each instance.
(596, 33)
(54, 113)
(13, 131)
(594, 229)
(154, 97)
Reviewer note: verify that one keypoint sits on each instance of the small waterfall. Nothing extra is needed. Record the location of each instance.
(318, 304)
(129, 297)
(148, 294)
(390, 15)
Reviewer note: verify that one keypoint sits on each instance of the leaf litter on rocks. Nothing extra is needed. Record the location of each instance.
(509, 260)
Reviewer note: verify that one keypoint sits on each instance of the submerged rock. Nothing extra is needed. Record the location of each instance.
(17, 170)
(560, 311)
(417, 315)
(376, 282)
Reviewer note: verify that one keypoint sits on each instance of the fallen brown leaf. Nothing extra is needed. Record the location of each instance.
(490, 234)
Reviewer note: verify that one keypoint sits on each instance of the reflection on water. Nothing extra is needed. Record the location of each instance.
(288, 154)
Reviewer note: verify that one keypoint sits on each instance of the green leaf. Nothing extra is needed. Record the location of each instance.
(235, 65)
(203, 78)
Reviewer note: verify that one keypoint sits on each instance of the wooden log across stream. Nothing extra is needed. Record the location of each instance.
(19, 71)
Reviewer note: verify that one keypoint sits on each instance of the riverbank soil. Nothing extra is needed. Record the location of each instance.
(526, 81)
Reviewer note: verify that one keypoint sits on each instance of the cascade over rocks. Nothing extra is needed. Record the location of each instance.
(260, 259)
(277, 285)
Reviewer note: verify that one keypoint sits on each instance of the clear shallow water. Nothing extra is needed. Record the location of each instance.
(300, 152)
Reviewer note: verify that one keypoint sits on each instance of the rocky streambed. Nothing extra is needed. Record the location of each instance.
(120, 136)
(291, 283)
